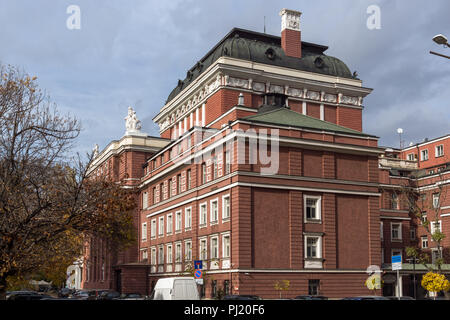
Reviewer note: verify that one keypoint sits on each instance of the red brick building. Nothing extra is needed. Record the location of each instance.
(262, 171)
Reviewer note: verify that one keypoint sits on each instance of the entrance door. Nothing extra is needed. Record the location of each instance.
(118, 278)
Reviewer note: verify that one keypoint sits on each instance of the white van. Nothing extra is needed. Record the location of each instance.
(179, 288)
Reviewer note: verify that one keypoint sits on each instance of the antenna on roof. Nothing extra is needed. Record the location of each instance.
(264, 24)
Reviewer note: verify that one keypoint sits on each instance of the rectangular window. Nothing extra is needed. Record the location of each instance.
(312, 208)
(424, 155)
(439, 152)
(214, 248)
(169, 253)
(396, 231)
(203, 248)
(144, 231)
(154, 195)
(178, 221)
(188, 251)
(424, 217)
(313, 287)
(226, 246)
(412, 233)
(227, 162)
(214, 211)
(144, 200)
(203, 173)
(410, 156)
(169, 223)
(394, 201)
(169, 185)
(153, 256)
(161, 255)
(225, 207)
(179, 184)
(144, 255)
(202, 220)
(178, 253)
(188, 218)
(424, 241)
(435, 200)
(435, 226)
(215, 172)
(153, 229)
(188, 179)
(313, 249)
(161, 226)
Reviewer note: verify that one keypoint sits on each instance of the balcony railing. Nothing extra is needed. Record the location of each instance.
(397, 163)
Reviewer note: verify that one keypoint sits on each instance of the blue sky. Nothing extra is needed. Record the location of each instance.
(133, 53)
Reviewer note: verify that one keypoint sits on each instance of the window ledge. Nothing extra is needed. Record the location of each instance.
(317, 221)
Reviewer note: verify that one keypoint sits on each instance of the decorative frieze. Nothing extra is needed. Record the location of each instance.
(259, 86)
(276, 89)
(313, 95)
(349, 100)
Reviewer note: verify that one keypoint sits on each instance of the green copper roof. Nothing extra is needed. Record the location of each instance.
(265, 48)
(286, 117)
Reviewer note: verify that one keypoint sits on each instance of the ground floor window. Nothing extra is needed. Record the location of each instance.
(213, 288)
(226, 287)
(313, 287)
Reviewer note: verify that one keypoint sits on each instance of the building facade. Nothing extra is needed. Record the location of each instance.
(262, 172)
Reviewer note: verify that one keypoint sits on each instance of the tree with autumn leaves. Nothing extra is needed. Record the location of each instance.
(49, 203)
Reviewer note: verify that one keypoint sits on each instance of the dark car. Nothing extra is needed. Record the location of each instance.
(11, 294)
(131, 296)
(29, 296)
(241, 297)
(309, 297)
(366, 298)
(400, 298)
(84, 295)
(65, 292)
(109, 295)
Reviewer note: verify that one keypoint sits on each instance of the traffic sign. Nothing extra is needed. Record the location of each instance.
(198, 264)
(396, 262)
(198, 274)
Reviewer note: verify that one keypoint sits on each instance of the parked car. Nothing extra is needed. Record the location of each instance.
(29, 296)
(366, 298)
(178, 288)
(241, 297)
(400, 298)
(84, 295)
(65, 292)
(310, 297)
(11, 294)
(108, 295)
(131, 296)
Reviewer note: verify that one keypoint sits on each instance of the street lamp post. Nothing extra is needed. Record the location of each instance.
(441, 40)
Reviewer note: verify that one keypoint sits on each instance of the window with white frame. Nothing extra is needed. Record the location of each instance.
(153, 229)
(188, 250)
(424, 242)
(226, 207)
(169, 253)
(396, 231)
(435, 226)
(312, 207)
(153, 256)
(178, 257)
(394, 201)
(439, 150)
(214, 211)
(226, 246)
(203, 249)
(313, 247)
(424, 155)
(203, 213)
(161, 255)
(435, 200)
(410, 157)
(169, 223)
(424, 217)
(178, 220)
(435, 254)
(227, 162)
(188, 218)
(188, 179)
(161, 226)
(214, 247)
(144, 231)
(144, 200)
(144, 254)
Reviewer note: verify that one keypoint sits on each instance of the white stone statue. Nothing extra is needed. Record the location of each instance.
(95, 151)
(132, 123)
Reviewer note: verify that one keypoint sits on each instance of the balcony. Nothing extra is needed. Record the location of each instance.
(396, 163)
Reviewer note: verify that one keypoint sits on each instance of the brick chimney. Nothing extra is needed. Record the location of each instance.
(290, 33)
